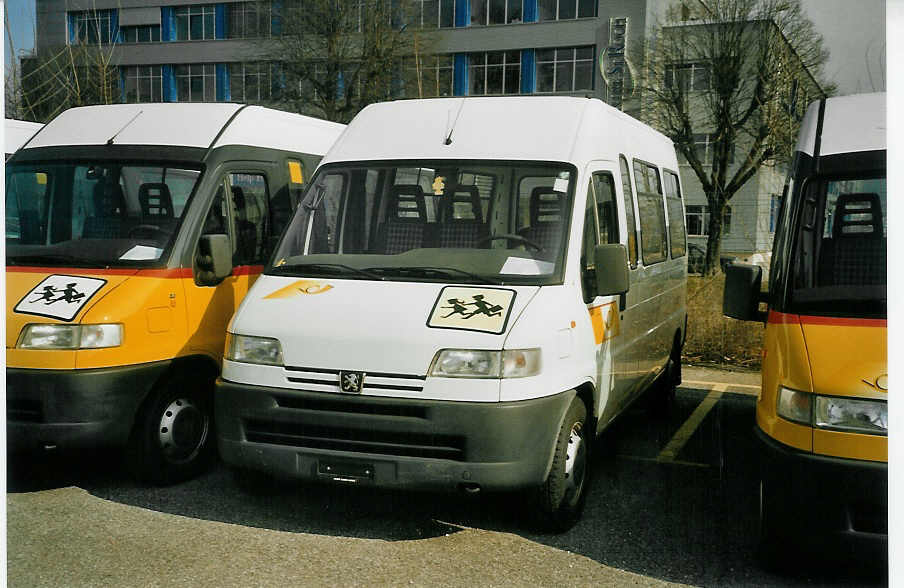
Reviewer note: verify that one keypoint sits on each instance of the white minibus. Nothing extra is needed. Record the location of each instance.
(471, 290)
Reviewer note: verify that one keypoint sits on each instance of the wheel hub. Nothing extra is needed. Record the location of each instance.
(575, 463)
(183, 430)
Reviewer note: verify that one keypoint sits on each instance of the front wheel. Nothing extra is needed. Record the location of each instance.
(558, 503)
(173, 438)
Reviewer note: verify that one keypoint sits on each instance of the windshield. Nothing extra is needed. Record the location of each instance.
(443, 221)
(839, 265)
(94, 213)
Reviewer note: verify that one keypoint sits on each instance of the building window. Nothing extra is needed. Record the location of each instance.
(253, 82)
(194, 23)
(689, 76)
(140, 34)
(431, 14)
(704, 148)
(249, 20)
(697, 216)
(91, 26)
(429, 77)
(493, 12)
(566, 9)
(143, 83)
(496, 72)
(196, 82)
(568, 69)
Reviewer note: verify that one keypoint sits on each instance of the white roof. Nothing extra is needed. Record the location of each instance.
(524, 128)
(850, 124)
(16, 132)
(190, 125)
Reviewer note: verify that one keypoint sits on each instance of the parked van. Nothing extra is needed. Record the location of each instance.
(463, 300)
(116, 313)
(822, 414)
(16, 133)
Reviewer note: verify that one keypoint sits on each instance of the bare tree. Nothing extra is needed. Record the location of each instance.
(78, 74)
(738, 72)
(338, 56)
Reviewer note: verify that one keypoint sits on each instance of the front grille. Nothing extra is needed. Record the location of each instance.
(328, 380)
(325, 405)
(24, 410)
(356, 440)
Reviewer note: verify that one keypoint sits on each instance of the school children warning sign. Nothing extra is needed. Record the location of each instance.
(472, 309)
(59, 296)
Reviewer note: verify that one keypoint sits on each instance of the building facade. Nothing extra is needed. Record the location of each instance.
(181, 51)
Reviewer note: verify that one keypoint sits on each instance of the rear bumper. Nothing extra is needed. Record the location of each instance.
(389, 442)
(75, 408)
(827, 497)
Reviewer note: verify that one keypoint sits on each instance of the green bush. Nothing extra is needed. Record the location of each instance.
(716, 339)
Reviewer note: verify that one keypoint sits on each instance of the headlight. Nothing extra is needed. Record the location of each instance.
(794, 406)
(70, 336)
(262, 350)
(848, 414)
(479, 363)
(855, 415)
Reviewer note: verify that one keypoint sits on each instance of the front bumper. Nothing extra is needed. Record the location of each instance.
(389, 442)
(826, 498)
(75, 408)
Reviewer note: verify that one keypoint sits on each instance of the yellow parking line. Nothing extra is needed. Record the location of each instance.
(671, 462)
(683, 435)
(754, 390)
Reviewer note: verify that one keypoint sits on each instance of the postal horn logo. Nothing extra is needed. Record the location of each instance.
(300, 287)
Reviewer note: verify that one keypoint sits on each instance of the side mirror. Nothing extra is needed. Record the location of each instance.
(214, 259)
(741, 297)
(611, 263)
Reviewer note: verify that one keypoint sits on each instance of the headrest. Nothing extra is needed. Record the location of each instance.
(546, 205)
(238, 197)
(108, 199)
(463, 205)
(155, 199)
(858, 215)
(406, 204)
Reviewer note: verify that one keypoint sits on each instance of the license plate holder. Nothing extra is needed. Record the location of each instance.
(350, 472)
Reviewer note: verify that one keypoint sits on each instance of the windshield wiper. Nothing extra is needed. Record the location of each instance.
(70, 260)
(433, 271)
(293, 268)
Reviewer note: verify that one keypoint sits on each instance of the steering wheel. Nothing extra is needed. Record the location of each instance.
(511, 237)
(147, 232)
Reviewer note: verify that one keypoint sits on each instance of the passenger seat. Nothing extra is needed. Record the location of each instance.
(546, 219)
(109, 212)
(860, 244)
(406, 222)
(462, 225)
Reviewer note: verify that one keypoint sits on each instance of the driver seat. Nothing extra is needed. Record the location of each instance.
(156, 205)
(109, 212)
(462, 224)
(546, 218)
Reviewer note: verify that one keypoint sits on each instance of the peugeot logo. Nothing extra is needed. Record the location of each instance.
(351, 382)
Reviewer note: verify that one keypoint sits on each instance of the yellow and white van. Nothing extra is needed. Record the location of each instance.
(822, 416)
(471, 290)
(116, 311)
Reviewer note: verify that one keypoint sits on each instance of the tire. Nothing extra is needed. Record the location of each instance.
(173, 439)
(557, 504)
(772, 536)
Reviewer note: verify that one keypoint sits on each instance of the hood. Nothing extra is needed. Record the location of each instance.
(52, 295)
(387, 327)
(848, 357)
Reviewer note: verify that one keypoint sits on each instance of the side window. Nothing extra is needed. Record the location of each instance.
(251, 206)
(628, 195)
(677, 236)
(606, 207)
(653, 244)
(588, 246)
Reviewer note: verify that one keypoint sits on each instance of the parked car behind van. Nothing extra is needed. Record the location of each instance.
(133, 233)
(463, 302)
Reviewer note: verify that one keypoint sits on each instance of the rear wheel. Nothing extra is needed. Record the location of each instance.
(558, 503)
(173, 438)
(662, 396)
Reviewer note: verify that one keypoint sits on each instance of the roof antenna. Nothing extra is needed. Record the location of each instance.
(448, 140)
(131, 120)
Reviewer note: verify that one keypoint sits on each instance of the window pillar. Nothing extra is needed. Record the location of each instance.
(530, 11)
(72, 28)
(276, 18)
(528, 71)
(115, 36)
(167, 27)
(170, 91)
(460, 75)
(223, 90)
(122, 85)
(463, 16)
(220, 21)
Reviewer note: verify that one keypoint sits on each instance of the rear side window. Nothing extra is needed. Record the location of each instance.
(653, 244)
(677, 236)
(628, 195)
